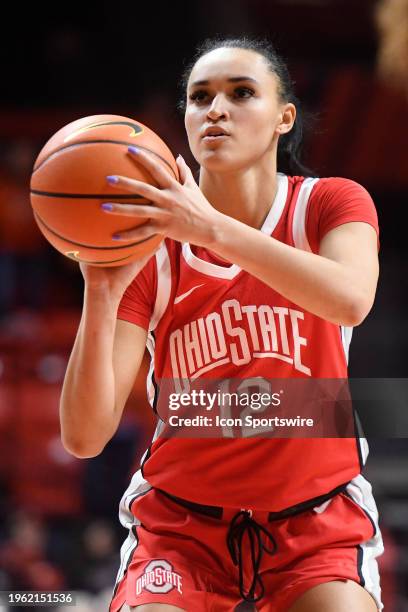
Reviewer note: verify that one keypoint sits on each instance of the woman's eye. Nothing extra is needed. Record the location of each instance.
(201, 96)
(198, 96)
(244, 92)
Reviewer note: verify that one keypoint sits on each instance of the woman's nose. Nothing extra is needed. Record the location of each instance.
(218, 109)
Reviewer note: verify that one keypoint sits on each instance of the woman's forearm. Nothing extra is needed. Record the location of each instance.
(88, 396)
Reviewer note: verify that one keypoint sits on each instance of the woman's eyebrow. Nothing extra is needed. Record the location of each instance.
(230, 80)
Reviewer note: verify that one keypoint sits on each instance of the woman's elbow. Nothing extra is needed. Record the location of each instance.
(357, 312)
(79, 448)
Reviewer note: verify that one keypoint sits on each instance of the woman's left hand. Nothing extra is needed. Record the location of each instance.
(178, 210)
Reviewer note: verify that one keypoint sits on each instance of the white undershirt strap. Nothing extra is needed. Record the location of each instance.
(163, 286)
(299, 217)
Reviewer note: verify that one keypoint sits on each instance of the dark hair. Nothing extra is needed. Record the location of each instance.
(290, 144)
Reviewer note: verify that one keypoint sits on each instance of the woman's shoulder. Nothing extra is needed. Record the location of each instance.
(331, 191)
(336, 183)
(329, 183)
(335, 201)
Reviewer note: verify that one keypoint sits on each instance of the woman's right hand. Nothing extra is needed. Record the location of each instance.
(113, 281)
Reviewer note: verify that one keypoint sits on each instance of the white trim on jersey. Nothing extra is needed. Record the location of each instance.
(126, 552)
(150, 345)
(346, 334)
(360, 491)
(206, 267)
(299, 216)
(364, 449)
(161, 303)
(268, 226)
(138, 486)
(163, 286)
(278, 206)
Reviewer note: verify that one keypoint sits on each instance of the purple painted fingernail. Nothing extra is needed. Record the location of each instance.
(112, 179)
(116, 236)
(107, 206)
(133, 149)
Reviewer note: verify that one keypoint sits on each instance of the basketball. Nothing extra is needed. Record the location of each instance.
(68, 186)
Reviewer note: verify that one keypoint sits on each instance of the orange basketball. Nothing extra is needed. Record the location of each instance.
(68, 186)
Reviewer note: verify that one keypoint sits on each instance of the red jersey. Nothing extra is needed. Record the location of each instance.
(208, 319)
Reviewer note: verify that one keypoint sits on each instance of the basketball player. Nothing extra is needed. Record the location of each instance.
(263, 272)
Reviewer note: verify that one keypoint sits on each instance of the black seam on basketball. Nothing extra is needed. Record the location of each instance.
(90, 196)
(86, 142)
(90, 246)
(101, 263)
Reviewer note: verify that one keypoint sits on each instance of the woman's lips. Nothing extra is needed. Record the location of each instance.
(215, 138)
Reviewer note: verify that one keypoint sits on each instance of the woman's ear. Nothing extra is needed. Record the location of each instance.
(288, 116)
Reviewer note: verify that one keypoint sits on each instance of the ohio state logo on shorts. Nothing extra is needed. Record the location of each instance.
(159, 577)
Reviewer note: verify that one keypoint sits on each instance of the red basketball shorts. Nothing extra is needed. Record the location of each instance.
(213, 559)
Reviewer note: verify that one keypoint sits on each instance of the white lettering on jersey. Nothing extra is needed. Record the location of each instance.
(249, 311)
(236, 331)
(215, 335)
(298, 341)
(203, 337)
(282, 313)
(159, 577)
(268, 328)
(192, 344)
(237, 335)
(178, 362)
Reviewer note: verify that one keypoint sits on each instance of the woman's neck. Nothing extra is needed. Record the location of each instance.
(245, 195)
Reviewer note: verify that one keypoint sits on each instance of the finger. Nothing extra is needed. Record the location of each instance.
(131, 210)
(150, 192)
(149, 161)
(182, 169)
(185, 172)
(141, 232)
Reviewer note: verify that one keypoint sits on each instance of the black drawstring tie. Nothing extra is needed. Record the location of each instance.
(241, 523)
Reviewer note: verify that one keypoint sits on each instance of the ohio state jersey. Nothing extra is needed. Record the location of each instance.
(209, 319)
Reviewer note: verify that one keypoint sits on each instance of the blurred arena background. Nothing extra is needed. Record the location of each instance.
(58, 515)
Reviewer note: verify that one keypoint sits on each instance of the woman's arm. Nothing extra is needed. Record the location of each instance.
(337, 285)
(103, 364)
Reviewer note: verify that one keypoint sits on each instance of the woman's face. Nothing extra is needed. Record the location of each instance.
(234, 115)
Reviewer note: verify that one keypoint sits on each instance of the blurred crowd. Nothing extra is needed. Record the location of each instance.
(59, 526)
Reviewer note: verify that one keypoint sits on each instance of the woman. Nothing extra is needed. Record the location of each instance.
(240, 288)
